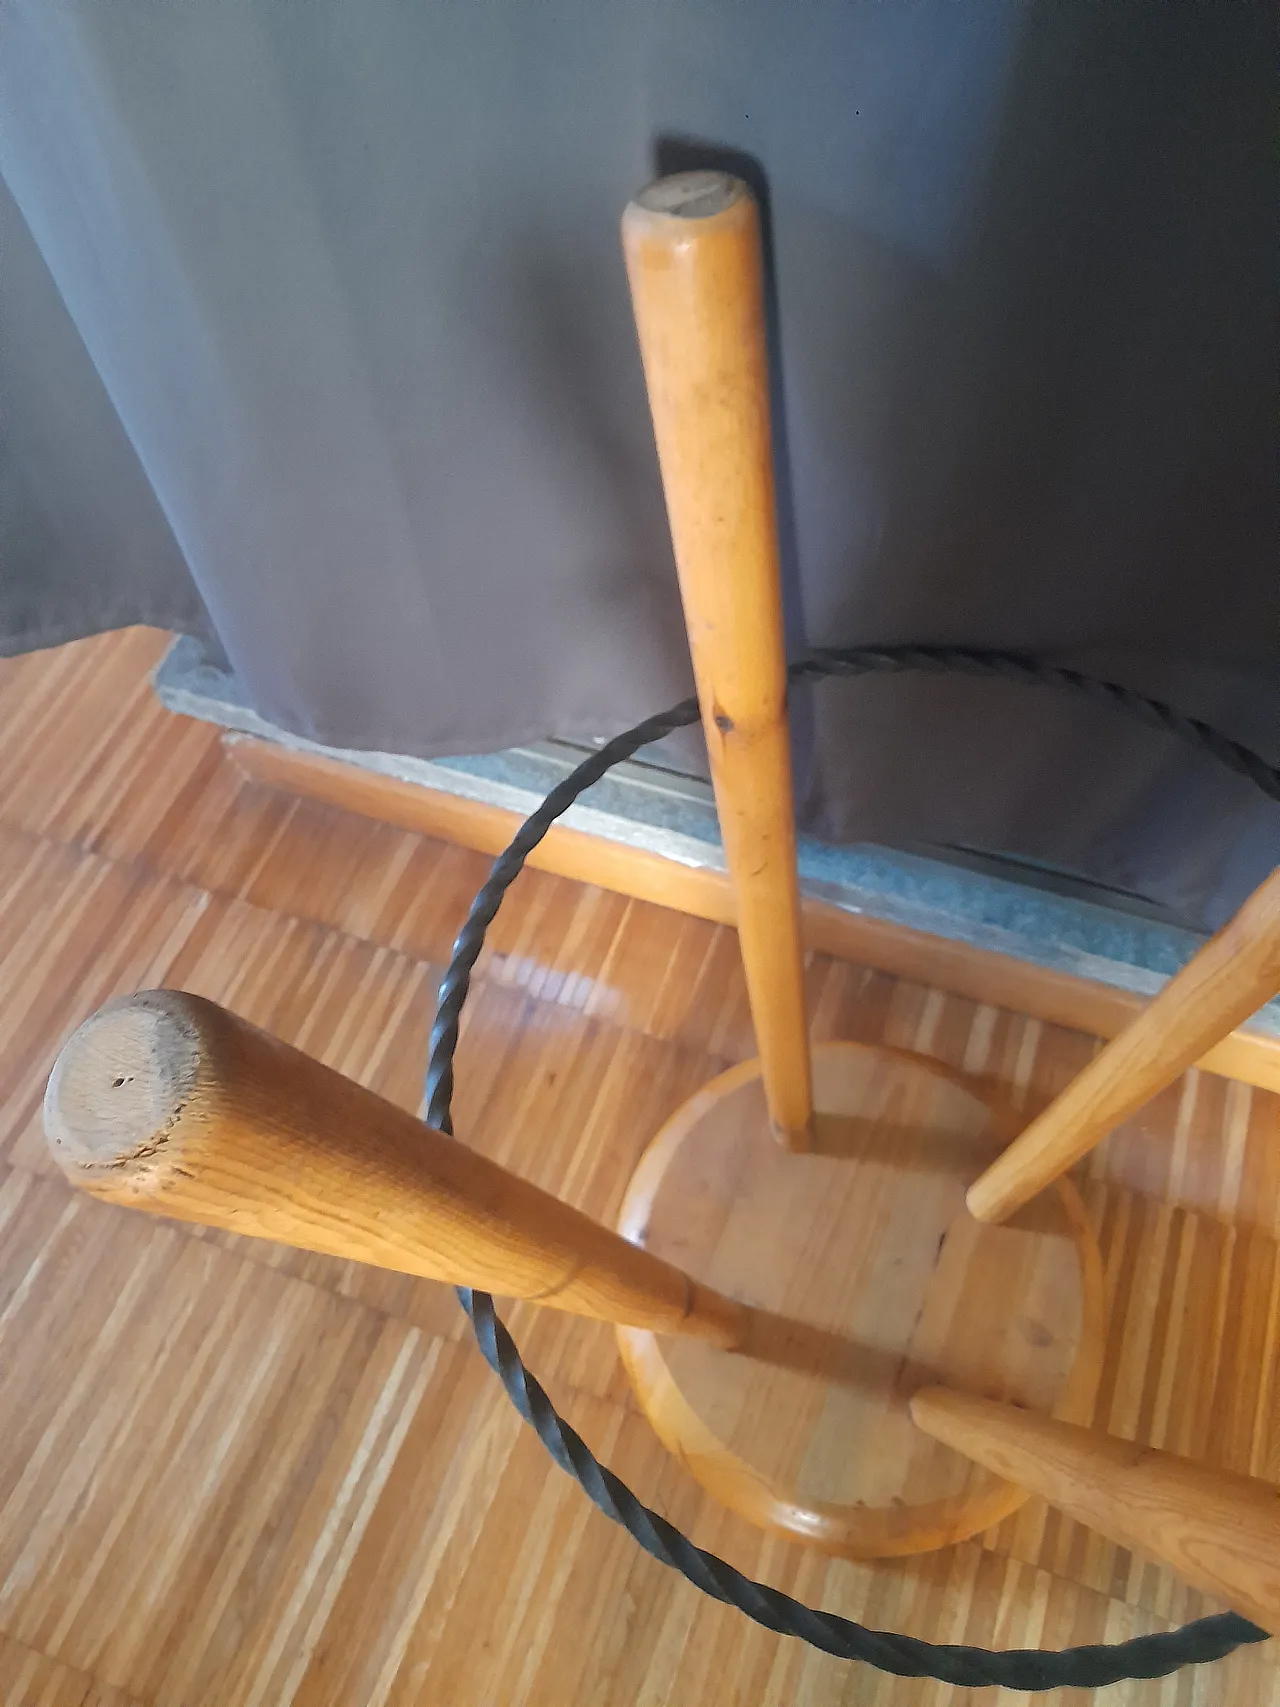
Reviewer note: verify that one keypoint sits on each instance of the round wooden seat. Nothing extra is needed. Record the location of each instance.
(881, 1281)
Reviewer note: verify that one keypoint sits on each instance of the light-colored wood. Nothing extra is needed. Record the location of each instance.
(166, 1102)
(30, 1679)
(1230, 978)
(1082, 1004)
(1218, 1531)
(692, 245)
(865, 1238)
(237, 1475)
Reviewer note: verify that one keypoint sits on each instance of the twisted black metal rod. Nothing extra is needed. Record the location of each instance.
(1014, 1668)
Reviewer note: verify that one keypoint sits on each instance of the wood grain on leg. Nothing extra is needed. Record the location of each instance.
(692, 246)
(1229, 979)
(168, 1103)
(1220, 1532)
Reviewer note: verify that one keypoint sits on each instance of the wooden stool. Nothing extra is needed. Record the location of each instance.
(860, 1307)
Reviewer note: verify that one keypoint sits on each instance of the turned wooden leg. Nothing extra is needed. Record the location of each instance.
(1219, 1531)
(168, 1103)
(1229, 979)
(692, 247)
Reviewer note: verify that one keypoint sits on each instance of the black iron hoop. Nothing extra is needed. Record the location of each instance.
(1015, 1668)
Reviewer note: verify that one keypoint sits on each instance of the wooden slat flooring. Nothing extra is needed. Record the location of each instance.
(233, 1474)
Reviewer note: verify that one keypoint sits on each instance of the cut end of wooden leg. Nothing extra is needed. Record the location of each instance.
(120, 1083)
(692, 195)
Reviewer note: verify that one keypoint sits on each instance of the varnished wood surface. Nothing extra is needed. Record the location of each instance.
(1219, 1530)
(980, 974)
(694, 264)
(166, 1102)
(232, 1473)
(865, 1238)
(1230, 978)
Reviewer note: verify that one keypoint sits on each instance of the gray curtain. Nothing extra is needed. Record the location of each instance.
(84, 545)
(314, 321)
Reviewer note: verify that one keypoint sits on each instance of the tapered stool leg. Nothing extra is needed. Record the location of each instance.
(1219, 1531)
(692, 247)
(1229, 979)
